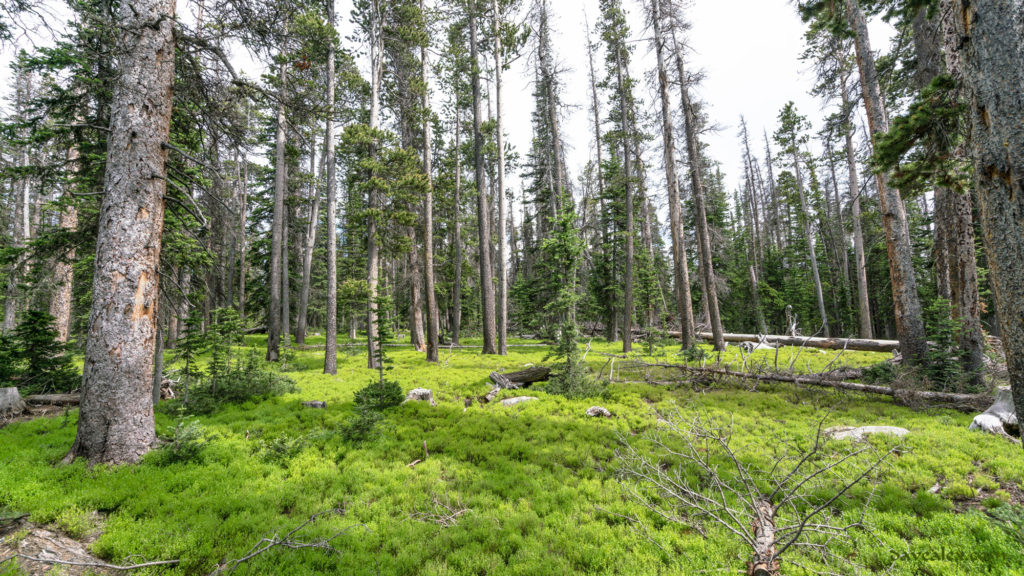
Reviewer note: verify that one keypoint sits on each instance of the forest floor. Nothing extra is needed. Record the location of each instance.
(529, 489)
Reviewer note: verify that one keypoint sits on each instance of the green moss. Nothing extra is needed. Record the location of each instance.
(959, 490)
(538, 478)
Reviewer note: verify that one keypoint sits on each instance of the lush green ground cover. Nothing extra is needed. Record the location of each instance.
(538, 479)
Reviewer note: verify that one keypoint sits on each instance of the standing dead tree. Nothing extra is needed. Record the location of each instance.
(811, 499)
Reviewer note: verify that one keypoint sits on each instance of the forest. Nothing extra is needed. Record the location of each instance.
(467, 287)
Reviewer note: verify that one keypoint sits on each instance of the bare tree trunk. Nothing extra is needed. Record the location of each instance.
(863, 302)
(115, 423)
(372, 244)
(483, 212)
(809, 235)
(331, 329)
(456, 314)
(707, 268)
(502, 237)
(242, 236)
(415, 272)
(308, 245)
(906, 303)
(433, 325)
(627, 163)
(992, 48)
(63, 273)
(277, 230)
(680, 266)
(286, 292)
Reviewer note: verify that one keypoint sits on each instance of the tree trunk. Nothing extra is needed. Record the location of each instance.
(115, 423)
(707, 269)
(277, 230)
(483, 212)
(308, 245)
(456, 314)
(502, 236)
(680, 266)
(906, 303)
(372, 244)
(63, 272)
(331, 328)
(992, 49)
(415, 271)
(627, 163)
(809, 235)
(242, 236)
(863, 302)
(433, 324)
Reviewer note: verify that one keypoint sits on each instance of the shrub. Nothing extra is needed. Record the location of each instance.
(185, 446)
(883, 373)
(251, 380)
(32, 358)
(379, 395)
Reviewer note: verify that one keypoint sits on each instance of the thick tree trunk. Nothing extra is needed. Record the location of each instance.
(906, 303)
(115, 423)
(433, 324)
(680, 266)
(483, 211)
(992, 49)
(286, 292)
(331, 328)
(277, 230)
(707, 268)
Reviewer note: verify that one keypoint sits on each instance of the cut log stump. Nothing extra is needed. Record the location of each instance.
(11, 403)
(1000, 418)
(420, 395)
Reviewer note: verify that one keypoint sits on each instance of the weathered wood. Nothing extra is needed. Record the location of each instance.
(765, 561)
(11, 403)
(1000, 418)
(55, 399)
(858, 344)
(521, 378)
(315, 404)
(963, 402)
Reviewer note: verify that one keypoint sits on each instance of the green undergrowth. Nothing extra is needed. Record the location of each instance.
(536, 481)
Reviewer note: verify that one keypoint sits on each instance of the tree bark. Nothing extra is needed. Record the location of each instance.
(308, 245)
(502, 237)
(331, 329)
(906, 303)
(680, 266)
(115, 423)
(433, 325)
(992, 49)
(63, 272)
(277, 229)
(456, 314)
(483, 212)
(809, 235)
(372, 244)
(860, 262)
(707, 268)
(627, 163)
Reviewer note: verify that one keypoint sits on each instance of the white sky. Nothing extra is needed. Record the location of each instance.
(748, 49)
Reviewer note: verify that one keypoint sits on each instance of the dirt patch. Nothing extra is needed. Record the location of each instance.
(21, 540)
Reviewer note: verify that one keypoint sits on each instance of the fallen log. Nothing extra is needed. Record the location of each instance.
(858, 344)
(963, 402)
(55, 399)
(515, 380)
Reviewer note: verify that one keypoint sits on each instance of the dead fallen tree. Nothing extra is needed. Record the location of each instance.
(520, 379)
(858, 344)
(963, 402)
(55, 399)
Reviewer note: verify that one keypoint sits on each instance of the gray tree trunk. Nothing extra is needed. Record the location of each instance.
(860, 261)
(63, 273)
(372, 243)
(331, 330)
(906, 303)
(502, 236)
(277, 230)
(809, 235)
(456, 314)
(115, 423)
(680, 265)
(992, 49)
(707, 268)
(483, 211)
(433, 324)
(627, 163)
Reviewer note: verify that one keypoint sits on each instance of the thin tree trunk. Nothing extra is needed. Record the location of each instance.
(906, 303)
(627, 163)
(502, 237)
(308, 245)
(860, 262)
(483, 212)
(277, 229)
(707, 269)
(63, 272)
(331, 328)
(433, 327)
(680, 266)
(115, 422)
(991, 36)
(286, 306)
(456, 315)
(372, 244)
(809, 235)
(242, 239)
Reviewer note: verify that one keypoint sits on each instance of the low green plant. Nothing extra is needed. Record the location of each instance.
(959, 490)
(379, 395)
(185, 446)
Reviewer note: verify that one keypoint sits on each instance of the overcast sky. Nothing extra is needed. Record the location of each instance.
(748, 49)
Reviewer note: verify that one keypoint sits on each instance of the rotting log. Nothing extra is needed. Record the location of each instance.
(963, 402)
(857, 344)
(55, 399)
(522, 378)
(765, 561)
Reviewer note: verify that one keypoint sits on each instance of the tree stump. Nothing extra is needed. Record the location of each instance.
(11, 403)
(1000, 418)
(420, 395)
